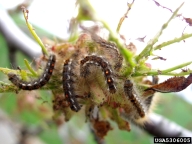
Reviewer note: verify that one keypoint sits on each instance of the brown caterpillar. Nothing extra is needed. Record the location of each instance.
(68, 86)
(36, 84)
(106, 45)
(113, 47)
(128, 89)
(99, 61)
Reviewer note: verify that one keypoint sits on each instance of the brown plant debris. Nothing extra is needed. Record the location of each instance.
(174, 84)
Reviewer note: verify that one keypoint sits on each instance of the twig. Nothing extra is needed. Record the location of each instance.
(164, 44)
(166, 71)
(162, 127)
(149, 48)
(125, 16)
(32, 31)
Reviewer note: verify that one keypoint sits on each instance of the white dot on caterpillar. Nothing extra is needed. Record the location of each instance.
(68, 77)
(41, 80)
(69, 94)
(69, 69)
(46, 70)
(72, 100)
(49, 63)
(68, 85)
(44, 75)
(36, 83)
(75, 107)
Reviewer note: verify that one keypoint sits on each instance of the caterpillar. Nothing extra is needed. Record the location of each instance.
(99, 61)
(38, 83)
(68, 86)
(111, 46)
(128, 89)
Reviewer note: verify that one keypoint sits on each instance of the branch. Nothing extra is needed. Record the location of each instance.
(16, 38)
(149, 48)
(162, 127)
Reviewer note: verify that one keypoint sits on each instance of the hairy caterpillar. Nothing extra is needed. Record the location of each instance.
(68, 86)
(38, 83)
(128, 89)
(96, 60)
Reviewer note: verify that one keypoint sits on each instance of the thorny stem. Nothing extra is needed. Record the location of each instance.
(5, 70)
(164, 44)
(5, 87)
(30, 68)
(125, 16)
(156, 72)
(31, 29)
(164, 72)
(149, 48)
(22, 73)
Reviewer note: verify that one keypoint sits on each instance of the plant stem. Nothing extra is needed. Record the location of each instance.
(30, 68)
(164, 44)
(166, 71)
(125, 16)
(149, 48)
(31, 29)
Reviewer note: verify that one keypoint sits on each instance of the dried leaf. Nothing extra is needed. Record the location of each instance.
(174, 84)
(148, 93)
(142, 39)
(189, 21)
(101, 128)
(159, 58)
